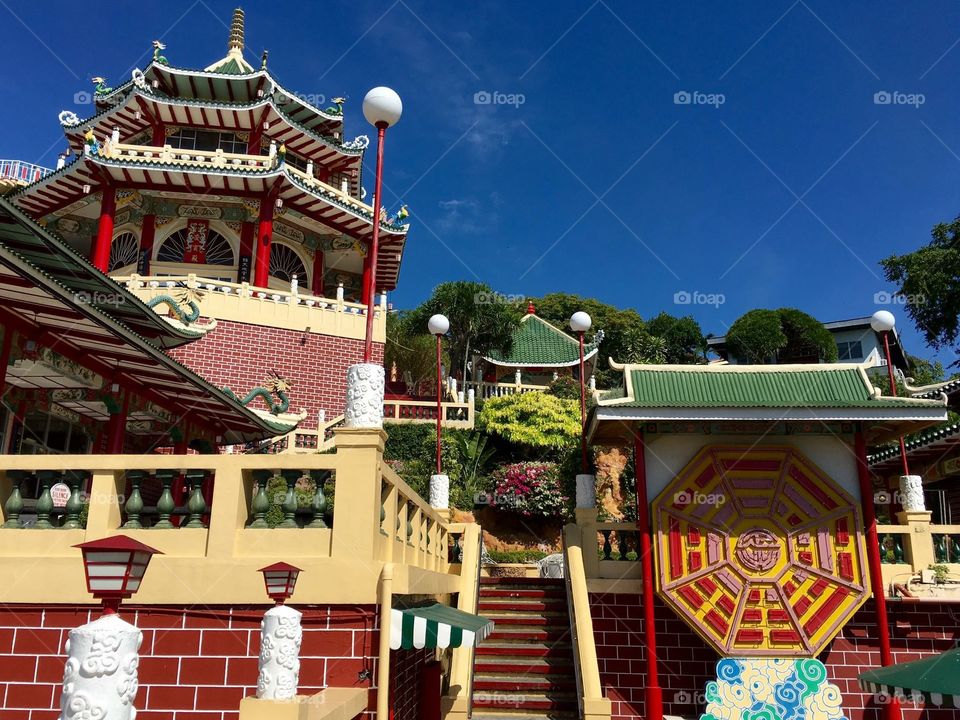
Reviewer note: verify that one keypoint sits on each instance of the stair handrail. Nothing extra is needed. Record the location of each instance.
(592, 704)
(459, 705)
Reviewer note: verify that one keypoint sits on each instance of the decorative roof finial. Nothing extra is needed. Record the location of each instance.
(236, 31)
(263, 59)
(531, 310)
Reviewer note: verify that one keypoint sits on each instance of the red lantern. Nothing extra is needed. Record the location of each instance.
(114, 567)
(280, 579)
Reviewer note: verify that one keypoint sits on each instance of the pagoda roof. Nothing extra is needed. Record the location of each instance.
(537, 343)
(95, 335)
(767, 393)
(87, 175)
(931, 446)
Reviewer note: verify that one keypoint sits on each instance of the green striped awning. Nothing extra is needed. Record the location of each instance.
(935, 680)
(436, 626)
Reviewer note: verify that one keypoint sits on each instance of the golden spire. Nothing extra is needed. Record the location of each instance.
(236, 31)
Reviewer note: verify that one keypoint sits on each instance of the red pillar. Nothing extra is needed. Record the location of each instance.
(264, 237)
(891, 711)
(147, 235)
(246, 252)
(100, 255)
(117, 427)
(253, 145)
(159, 137)
(5, 349)
(365, 278)
(653, 694)
(316, 282)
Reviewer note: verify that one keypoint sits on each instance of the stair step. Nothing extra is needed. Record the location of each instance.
(502, 714)
(521, 592)
(494, 666)
(521, 605)
(536, 634)
(525, 683)
(524, 650)
(536, 620)
(526, 701)
(538, 582)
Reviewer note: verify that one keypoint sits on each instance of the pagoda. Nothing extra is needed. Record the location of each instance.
(224, 185)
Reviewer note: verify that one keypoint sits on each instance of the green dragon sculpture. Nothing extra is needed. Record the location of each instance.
(274, 385)
(337, 108)
(189, 297)
(157, 57)
(100, 86)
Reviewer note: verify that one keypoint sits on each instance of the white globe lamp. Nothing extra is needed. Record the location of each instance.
(438, 325)
(382, 107)
(580, 322)
(882, 321)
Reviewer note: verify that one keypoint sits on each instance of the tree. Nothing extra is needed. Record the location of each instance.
(535, 420)
(929, 282)
(477, 320)
(683, 338)
(784, 335)
(413, 353)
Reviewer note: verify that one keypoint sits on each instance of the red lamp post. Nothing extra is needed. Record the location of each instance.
(883, 322)
(114, 568)
(438, 325)
(382, 108)
(580, 322)
(280, 579)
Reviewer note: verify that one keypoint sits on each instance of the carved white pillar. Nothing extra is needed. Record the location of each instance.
(516, 378)
(365, 384)
(439, 492)
(586, 492)
(100, 678)
(911, 493)
(593, 383)
(280, 636)
(115, 136)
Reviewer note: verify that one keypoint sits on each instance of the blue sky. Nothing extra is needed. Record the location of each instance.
(781, 182)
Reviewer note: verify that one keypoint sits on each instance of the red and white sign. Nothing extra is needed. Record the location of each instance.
(60, 493)
(195, 250)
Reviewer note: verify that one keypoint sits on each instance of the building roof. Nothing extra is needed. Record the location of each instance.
(760, 393)
(537, 343)
(933, 444)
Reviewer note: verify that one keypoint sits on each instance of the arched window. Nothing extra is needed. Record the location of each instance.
(285, 263)
(123, 251)
(217, 250)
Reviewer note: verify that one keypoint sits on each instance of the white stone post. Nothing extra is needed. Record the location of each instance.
(517, 378)
(586, 508)
(273, 149)
(593, 383)
(115, 136)
(365, 385)
(911, 493)
(100, 678)
(310, 168)
(280, 636)
(439, 492)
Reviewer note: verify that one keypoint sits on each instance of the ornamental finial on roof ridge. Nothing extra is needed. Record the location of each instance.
(236, 31)
(531, 310)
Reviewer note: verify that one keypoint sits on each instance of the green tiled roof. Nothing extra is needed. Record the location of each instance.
(726, 386)
(538, 343)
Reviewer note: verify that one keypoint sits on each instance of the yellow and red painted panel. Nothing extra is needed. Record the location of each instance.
(759, 551)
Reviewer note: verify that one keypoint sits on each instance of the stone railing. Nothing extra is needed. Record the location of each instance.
(485, 390)
(242, 302)
(217, 519)
(454, 414)
(19, 172)
(615, 553)
(912, 552)
(202, 158)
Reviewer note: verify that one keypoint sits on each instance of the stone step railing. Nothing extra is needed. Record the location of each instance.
(19, 172)
(486, 390)
(217, 519)
(453, 414)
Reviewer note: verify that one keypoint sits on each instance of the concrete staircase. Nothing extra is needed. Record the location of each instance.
(524, 669)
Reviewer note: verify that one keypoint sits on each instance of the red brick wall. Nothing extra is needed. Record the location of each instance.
(241, 356)
(687, 663)
(194, 664)
(406, 676)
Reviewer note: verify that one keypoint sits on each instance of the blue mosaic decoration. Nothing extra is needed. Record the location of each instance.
(772, 689)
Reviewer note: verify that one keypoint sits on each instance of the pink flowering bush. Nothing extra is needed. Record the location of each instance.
(531, 489)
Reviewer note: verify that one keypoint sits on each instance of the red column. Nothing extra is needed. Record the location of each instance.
(147, 235)
(261, 268)
(246, 252)
(316, 282)
(100, 255)
(653, 694)
(365, 278)
(891, 710)
(117, 427)
(253, 145)
(159, 135)
(5, 349)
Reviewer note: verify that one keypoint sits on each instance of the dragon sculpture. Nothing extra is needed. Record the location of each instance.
(100, 86)
(337, 108)
(273, 385)
(157, 57)
(189, 297)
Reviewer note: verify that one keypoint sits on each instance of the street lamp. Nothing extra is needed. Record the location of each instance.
(580, 322)
(382, 108)
(883, 322)
(438, 325)
(280, 579)
(114, 568)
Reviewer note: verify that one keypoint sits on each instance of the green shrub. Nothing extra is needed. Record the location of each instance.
(531, 489)
(565, 387)
(533, 420)
(516, 556)
(277, 491)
